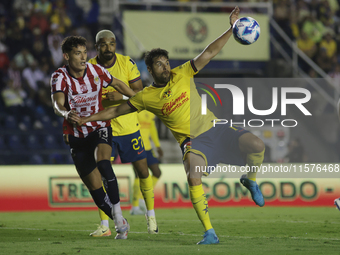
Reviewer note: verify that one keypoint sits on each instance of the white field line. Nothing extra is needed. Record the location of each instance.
(180, 233)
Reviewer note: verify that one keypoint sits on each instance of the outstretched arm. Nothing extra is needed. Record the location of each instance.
(213, 48)
(107, 114)
(117, 96)
(122, 88)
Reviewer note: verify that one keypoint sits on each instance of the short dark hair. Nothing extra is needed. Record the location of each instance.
(150, 55)
(72, 41)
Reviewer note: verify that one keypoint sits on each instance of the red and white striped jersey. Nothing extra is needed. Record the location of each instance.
(82, 95)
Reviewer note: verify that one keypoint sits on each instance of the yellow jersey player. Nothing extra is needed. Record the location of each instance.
(169, 98)
(126, 137)
(149, 132)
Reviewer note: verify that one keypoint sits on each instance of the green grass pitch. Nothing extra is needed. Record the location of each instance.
(242, 230)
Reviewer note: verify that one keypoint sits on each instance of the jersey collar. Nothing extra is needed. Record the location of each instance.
(158, 86)
(68, 71)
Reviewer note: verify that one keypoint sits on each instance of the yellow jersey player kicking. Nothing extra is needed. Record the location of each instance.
(169, 98)
(149, 132)
(126, 137)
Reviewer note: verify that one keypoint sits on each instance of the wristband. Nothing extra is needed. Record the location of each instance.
(125, 98)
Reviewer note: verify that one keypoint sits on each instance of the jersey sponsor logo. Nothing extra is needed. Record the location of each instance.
(174, 104)
(80, 101)
(167, 94)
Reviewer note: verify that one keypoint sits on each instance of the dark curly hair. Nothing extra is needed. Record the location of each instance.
(150, 55)
(72, 41)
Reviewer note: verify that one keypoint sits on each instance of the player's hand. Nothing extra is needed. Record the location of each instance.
(114, 96)
(234, 15)
(72, 117)
(159, 152)
(81, 121)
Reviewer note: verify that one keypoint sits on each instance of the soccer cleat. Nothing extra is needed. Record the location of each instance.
(209, 237)
(101, 231)
(122, 227)
(136, 211)
(152, 224)
(255, 192)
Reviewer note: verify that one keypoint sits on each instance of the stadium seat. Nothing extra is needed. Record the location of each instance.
(68, 159)
(36, 159)
(47, 123)
(26, 120)
(50, 142)
(14, 142)
(2, 143)
(11, 122)
(55, 158)
(33, 142)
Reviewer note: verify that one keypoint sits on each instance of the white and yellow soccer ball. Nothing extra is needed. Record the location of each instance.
(246, 30)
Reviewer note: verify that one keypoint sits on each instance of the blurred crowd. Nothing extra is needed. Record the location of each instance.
(315, 26)
(30, 36)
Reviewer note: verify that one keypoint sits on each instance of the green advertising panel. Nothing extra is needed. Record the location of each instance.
(185, 35)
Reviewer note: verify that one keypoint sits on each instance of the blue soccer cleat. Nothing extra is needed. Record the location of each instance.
(209, 237)
(255, 192)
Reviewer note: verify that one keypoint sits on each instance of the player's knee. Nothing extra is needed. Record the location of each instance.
(105, 169)
(256, 145)
(194, 181)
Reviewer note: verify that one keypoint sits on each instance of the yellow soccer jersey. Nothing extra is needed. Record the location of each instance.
(148, 129)
(172, 102)
(125, 69)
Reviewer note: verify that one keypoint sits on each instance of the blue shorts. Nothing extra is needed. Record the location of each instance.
(82, 149)
(217, 145)
(129, 147)
(150, 157)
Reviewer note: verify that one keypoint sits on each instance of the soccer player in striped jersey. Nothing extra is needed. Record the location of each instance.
(126, 137)
(169, 98)
(149, 132)
(76, 92)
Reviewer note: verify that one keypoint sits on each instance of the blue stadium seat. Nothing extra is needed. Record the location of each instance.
(68, 159)
(33, 142)
(27, 121)
(50, 142)
(47, 122)
(55, 158)
(2, 143)
(10, 122)
(36, 159)
(14, 142)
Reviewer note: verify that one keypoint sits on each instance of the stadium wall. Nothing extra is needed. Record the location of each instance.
(58, 187)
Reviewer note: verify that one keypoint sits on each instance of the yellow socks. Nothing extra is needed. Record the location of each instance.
(254, 160)
(154, 180)
(199, 201)
(103, 216)
(146, 187)
(136, 193)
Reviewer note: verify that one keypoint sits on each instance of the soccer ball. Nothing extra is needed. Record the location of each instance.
(337, 203)
(246, 30)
